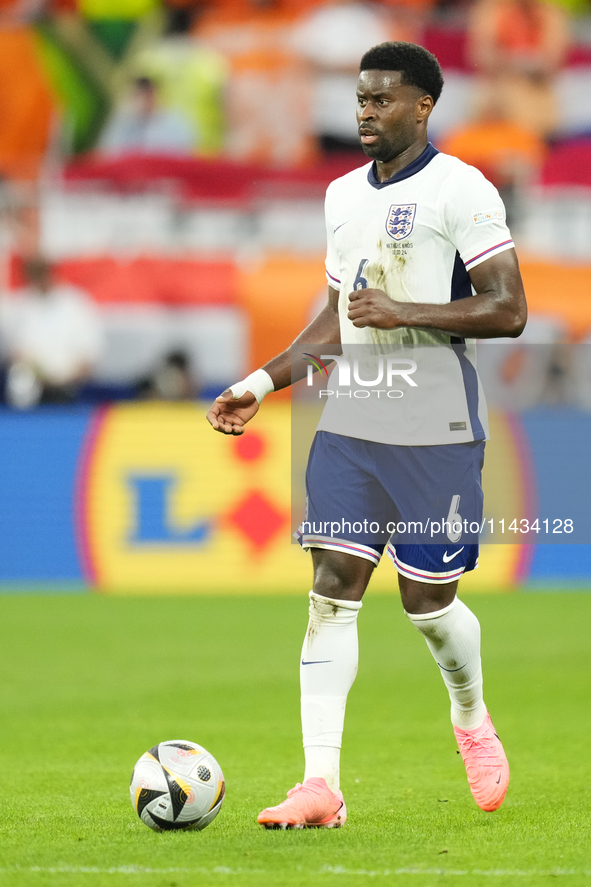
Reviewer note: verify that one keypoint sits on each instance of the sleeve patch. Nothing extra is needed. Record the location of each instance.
(489, 215)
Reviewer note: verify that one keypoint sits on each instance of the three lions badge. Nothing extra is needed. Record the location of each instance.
(400, 220)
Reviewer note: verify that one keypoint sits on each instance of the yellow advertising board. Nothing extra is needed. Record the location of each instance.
(169, 506)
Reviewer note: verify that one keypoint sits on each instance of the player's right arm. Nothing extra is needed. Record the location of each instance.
(236, 405)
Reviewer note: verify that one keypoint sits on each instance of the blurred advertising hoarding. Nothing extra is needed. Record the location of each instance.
(146, 498)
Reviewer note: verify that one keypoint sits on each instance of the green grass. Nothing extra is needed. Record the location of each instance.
(88, 683)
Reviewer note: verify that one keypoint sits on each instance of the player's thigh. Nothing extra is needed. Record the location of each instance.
(440, 501)
(439, 492)
(340, 576)
(347, 509)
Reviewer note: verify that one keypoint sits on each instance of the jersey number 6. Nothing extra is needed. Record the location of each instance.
(454, 520)
(360, 282)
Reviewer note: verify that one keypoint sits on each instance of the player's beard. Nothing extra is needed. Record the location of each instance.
(381, 150)
(387, 148)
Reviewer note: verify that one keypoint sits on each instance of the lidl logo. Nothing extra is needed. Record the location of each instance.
(166, 502)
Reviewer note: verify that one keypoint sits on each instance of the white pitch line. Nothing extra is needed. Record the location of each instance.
(325, 870)
(127, 870)
(495, 873)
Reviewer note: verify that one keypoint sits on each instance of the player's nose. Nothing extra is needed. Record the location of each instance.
(367, 112)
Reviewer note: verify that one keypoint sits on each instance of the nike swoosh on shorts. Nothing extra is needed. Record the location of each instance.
(447, 558)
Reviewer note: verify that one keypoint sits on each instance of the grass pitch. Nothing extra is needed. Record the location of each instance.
(88, 683)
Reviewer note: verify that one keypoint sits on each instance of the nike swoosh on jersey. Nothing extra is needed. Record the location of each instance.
(316, 661)
(449, 557)
(338, 226)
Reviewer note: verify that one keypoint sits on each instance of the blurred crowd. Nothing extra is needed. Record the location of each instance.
(269, 82)
(261, 80)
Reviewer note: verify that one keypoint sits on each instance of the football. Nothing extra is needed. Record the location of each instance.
(177, 785)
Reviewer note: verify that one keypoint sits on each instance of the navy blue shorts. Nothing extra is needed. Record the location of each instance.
(422, 503)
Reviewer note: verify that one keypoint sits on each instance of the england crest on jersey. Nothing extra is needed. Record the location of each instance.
(400, 220)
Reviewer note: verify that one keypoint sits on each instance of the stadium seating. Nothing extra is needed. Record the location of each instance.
(569, 164)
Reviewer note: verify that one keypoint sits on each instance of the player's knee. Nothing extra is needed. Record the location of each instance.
(335, 587)
(425, 597)
(340, 577)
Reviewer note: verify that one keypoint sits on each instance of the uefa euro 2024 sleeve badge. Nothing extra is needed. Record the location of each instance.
(400, 220)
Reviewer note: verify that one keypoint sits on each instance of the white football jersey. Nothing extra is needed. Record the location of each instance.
(415, 236)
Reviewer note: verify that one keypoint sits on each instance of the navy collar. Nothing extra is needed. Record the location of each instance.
(405, 173)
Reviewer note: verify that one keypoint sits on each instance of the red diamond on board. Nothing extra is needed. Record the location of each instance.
(257, 518)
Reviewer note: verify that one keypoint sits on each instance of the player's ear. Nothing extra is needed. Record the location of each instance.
(424, 107)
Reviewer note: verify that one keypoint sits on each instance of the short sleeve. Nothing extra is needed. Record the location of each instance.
(332, 259)
(475, 217)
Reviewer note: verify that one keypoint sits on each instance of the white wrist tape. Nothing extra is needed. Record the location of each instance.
(259, 382)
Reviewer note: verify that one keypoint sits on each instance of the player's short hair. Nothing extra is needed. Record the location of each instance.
(418, 66)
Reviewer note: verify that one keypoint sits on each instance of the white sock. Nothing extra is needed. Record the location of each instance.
(453, 636)
(327, 671)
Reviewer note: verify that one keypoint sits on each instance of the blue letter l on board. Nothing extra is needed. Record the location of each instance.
(153, 525)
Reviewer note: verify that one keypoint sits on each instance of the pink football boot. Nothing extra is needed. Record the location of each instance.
(486, 764)
(311, 805)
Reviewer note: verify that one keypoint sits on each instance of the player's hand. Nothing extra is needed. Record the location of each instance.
(371, 307)
(229, 416)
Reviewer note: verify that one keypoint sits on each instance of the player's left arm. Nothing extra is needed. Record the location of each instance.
(497, 309)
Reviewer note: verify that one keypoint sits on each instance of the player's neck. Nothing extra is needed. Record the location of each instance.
(385, 171)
